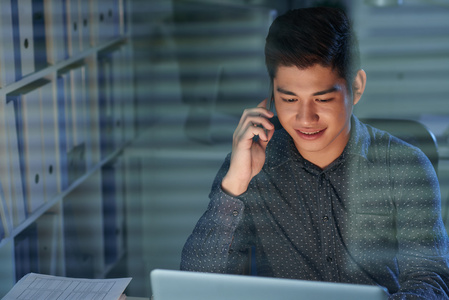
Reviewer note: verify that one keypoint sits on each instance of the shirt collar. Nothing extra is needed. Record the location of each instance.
(282, 149)
(359, 140)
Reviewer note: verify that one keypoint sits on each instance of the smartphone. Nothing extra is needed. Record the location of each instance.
(270, 96)
(270, 106)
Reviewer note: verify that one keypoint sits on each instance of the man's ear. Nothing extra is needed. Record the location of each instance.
(358, 86)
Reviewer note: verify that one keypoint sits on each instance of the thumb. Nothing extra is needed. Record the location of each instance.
(270, 134)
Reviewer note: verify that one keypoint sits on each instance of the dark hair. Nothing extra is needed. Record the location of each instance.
(309, 36)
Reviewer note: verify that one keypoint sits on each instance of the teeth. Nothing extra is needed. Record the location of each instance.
(310, 133)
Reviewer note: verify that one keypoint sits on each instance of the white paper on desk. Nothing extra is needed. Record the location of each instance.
(45, 287)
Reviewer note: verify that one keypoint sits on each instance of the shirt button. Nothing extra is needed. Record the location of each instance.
(235, 213)
(329, 259)
(325, 218)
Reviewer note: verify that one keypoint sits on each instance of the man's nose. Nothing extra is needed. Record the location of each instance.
(307, 113)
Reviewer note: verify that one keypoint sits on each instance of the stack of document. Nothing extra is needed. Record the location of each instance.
(37, 286)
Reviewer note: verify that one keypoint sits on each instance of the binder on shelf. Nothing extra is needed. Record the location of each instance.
(26, 252)
(105, 100)
(90, 121)
(76, 162)
(114, 17)
(27, 105)
(122, 20)
(22, 21)
(17, 197)
(118, 92)
(62, 134)
(123, 101)
(120, 203)
(3, 226)
(32, 149)
(80, 98)
(101, 35)
(110, 211)
(75, 119)
(65, 26)
(29, 36)
(73, 27)
(64, 87)
(48, 239)
(5, 178)
(79, 110)
(65, 84)
(7, 68)
(86, 26)
(79, 119)
(116, 103)
(78, 263)
(39, 34)
(55, 30)
(5, 216)
(49, 141)
(128, 100)
(107, 17)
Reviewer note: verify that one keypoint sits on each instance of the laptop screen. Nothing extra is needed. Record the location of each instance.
(173, 285)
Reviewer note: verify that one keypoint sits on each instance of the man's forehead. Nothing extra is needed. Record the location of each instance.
(317, 80)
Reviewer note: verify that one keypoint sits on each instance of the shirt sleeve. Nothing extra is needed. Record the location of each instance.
(423, 252)
(219, 242)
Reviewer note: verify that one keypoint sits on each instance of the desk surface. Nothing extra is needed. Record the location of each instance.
(136, 298)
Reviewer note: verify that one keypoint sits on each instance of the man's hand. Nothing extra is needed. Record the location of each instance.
(250, 140)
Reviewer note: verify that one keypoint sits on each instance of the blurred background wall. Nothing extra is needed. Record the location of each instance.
(200, 63)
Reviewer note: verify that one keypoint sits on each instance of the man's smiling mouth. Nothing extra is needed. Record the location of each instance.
(310, 132)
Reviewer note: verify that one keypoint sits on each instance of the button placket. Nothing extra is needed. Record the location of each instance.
(327, 226)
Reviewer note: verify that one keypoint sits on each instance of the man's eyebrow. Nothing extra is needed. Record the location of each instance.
(331, 90)
(320, 93)
(281, 90)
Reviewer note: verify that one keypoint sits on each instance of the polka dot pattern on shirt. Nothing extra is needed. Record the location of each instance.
(370, 216)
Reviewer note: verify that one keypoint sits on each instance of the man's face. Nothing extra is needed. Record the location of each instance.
(315, 107)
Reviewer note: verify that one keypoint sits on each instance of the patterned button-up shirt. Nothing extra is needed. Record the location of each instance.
(371, 217)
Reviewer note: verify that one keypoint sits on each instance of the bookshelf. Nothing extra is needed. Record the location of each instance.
(66, 115)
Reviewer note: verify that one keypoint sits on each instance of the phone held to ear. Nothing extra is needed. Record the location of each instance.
(274, 119)
(270, 97)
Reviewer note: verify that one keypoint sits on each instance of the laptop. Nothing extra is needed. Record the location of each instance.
(183, 285)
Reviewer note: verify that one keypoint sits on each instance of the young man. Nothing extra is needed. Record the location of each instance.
(326, 197)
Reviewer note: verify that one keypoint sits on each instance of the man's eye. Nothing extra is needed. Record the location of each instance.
(289, 100)
(323, 100)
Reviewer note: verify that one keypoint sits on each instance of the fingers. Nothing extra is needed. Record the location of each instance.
(266, 134)
(255, 122)
(258, 133)
(269, 134)
(257, 115)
